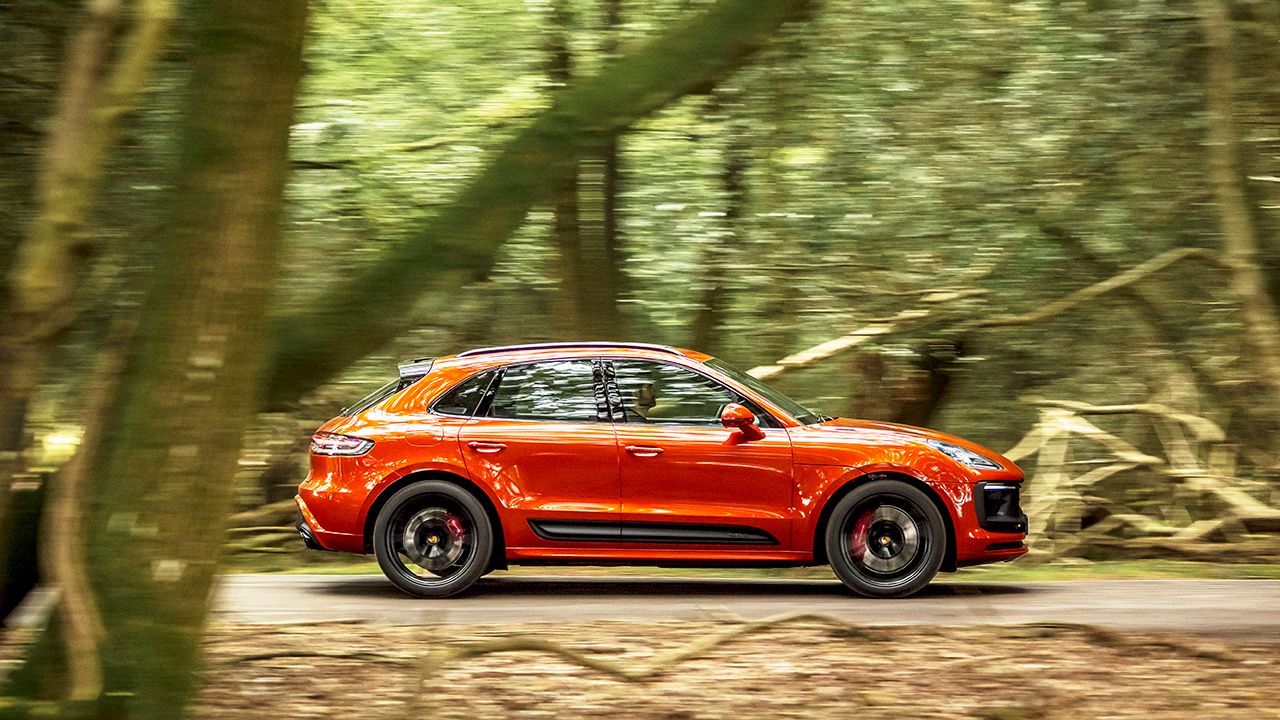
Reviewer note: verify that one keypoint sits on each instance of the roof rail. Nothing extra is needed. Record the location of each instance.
(554, 345)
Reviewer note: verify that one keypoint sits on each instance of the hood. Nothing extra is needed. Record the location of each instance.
(872, 433)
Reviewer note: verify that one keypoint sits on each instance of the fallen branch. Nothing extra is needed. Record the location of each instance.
(822, 351)
(914, 316)
(661, 663)
(370, 656)
(1204, 429)
(1092, 292)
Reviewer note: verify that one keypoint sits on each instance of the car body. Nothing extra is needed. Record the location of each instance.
(616, 453)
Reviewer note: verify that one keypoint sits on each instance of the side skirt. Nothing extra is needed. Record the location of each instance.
(650, 533)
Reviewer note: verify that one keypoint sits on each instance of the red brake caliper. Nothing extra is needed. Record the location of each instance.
(858, 540)
(454, 524)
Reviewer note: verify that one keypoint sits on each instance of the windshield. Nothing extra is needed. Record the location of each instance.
(802, 414)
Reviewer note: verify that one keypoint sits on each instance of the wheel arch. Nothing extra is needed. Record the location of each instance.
(499, 558)
(820, 529)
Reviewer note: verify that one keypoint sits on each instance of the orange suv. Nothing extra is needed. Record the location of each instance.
(620, 453)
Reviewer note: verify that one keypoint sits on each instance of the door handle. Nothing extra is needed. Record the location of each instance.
(486, 447)
(643, 450)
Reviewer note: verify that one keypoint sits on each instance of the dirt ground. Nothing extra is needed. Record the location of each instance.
(800, 667)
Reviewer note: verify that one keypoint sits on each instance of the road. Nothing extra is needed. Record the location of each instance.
(1237, 607)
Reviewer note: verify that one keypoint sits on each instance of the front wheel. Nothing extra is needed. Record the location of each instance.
(886, 539)
(433, 539)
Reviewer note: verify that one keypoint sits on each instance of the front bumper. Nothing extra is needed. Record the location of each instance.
(998, 507)
(990, 525)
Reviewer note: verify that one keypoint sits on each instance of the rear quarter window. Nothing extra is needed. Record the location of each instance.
(464, 397)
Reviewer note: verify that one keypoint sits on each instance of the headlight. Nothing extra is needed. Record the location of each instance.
(324, 443)
(963, 456)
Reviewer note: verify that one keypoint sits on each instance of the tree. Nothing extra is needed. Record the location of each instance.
(42, 299)
(162, 452)
(460, 244)
(1226, 177)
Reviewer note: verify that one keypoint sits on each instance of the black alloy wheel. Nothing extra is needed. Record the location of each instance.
(433, 539)
(886, 539)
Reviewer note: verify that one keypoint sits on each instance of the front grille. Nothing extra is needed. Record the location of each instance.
(998, 508)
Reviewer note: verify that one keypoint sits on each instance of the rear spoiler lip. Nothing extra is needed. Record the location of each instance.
(415, 368)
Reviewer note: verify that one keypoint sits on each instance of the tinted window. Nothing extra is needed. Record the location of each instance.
(464, 397)
(801, 413)
(558, 390)
(665, 394)
(379, 395)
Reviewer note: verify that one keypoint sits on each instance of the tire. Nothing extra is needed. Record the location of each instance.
(433, 539)
(886, 539)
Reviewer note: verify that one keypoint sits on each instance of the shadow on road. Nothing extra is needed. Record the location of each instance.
(659, 587)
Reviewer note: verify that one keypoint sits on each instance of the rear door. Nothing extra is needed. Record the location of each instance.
(544, 443)
(688, 482)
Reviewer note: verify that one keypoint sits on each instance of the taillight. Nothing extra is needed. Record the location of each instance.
(325, 443)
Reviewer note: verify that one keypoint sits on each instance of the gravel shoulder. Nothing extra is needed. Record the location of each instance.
(796, 668)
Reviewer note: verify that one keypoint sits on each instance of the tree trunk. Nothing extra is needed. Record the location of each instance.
(607, 311)
(1226, 175)
(96, 91)
(713, 297)
(162, 467)
(460, 244)
(568, 308)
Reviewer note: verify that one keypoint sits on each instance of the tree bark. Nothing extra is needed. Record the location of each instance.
(713, 297)
(96, 91)
(569, 312)
(599, 261)
(460, 244)
(162, 468)
(615, 286)
(1226, 175)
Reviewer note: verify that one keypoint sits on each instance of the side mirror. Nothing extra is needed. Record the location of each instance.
(737, 417)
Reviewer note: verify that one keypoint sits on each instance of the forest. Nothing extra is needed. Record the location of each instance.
(1052, 226)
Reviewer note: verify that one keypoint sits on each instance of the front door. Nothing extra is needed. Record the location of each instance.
(544, 443)
(688, 482)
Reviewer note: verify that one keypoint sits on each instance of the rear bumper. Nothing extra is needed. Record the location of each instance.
(308, 537)
(317, 538)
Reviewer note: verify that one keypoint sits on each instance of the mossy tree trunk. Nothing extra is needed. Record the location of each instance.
(41, 298)
(1248, 283)
(568, 312)
(615, 285)
(713, 295)
(155, 508)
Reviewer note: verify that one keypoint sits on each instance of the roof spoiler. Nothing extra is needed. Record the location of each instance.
(415, 368)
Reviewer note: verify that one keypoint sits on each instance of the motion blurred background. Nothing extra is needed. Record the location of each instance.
(1051, 226)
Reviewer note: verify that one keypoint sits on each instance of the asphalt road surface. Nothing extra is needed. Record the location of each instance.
(1238, 607)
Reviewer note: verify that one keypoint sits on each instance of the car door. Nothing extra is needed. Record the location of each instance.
(543, 442)
(687, 481)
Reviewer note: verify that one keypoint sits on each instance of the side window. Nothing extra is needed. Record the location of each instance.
(464, 397)
(664, 394)
(557, 390)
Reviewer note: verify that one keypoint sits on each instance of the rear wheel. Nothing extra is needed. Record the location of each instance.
(886, 539)
(433, 539)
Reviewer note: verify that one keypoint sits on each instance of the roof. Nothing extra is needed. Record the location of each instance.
(572, 345)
